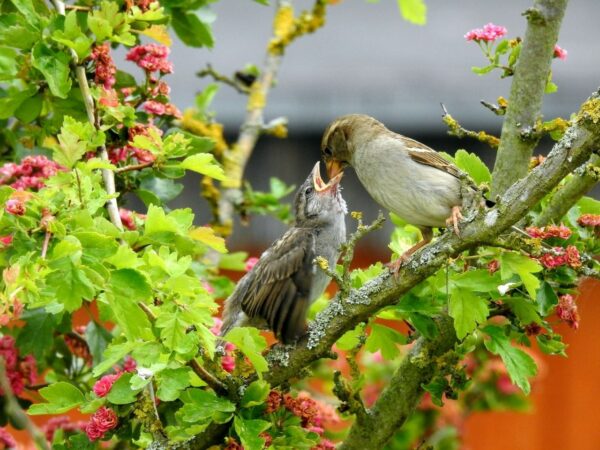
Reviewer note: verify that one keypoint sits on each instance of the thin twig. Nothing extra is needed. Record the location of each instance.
(134, 167)
(455, 129)
(88, 101)
(15, 412)
(209, 71)
(45, 244)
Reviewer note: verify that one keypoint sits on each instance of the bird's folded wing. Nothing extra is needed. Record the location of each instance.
(424, 155)
(279, 291)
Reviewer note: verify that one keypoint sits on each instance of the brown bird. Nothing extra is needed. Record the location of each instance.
(402, 175)
(278, 291)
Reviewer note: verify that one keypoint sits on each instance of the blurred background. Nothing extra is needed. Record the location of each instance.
(368, 60)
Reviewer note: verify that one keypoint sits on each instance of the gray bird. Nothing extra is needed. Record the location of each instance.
(278, 291)
(402, 175)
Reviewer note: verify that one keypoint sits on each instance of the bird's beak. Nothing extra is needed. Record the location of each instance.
(318, 183)
(334, 167)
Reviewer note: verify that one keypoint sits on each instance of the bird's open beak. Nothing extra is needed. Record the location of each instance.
(334, 167)
(318, 183)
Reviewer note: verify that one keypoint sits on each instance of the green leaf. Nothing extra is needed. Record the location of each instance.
(519, 364)
(75, 139)
(255, 394)
(124, 258)
(202, 406)
(414, 11)
(467, 309)
(475, 167)
(502, 47)
(171, 382)
(97, 338)
(436, 388)
(190, 29)
(424, 325)
(54, 65)
(8, 64)
(250, 343)
(384, 339)
(248, 430)
(30, 109)
(478, 280)
(515, 263)
(13, 101)
(205, 164)
(551, 345)
(112, 355)
(69, 284)
(36, 336)
(207, 236)
(482, 70)
(61, 397)
(73, 37)
(350, 339)
(524, 309)
(164, 189)
(206, 96)
(128, 288)
(121, 392)
(551, 87)
(546, 299)
(173, 332)
(588, 205)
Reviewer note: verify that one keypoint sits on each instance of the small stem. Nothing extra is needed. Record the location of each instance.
(14, 411)
(207, 377)
(134, 167)
(45, 244)
(81, 204)
(209, 71)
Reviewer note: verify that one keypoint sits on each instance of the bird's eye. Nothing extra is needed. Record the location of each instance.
(309, 190)
(327, 151)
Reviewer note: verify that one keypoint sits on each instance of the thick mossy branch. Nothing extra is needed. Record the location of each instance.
(403, 392)
(584, 179)
(527, 91)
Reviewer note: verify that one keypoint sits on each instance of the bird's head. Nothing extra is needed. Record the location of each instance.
(341, 137)
(317, 202)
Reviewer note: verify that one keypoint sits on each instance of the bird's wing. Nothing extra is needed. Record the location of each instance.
(280, 288)
(424, 155)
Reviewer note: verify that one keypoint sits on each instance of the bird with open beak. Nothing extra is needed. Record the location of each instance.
(402, 175)
(279, 289)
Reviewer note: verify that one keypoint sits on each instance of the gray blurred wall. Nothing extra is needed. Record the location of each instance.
(368, 59)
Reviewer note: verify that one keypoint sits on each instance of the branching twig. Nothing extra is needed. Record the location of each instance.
(134, 167)
(14, 411)
(455, 129)
(88, 100)
(209, 71)
(45, 244)
(499, 109)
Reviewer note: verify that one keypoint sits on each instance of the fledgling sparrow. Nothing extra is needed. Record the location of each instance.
(279, 289)
(402, 175)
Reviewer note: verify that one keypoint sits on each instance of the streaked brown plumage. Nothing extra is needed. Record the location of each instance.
(278, 291)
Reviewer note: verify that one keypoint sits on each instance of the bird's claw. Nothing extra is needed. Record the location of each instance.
(394, 266)
(454, 218)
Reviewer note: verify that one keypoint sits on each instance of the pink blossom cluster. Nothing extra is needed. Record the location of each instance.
(105, 66)
(21, 371)
(103, 386)
(6, 439)
(30, 173)
(561, 257)
(62, 423)
(151, 58)
(566, 310)
(117, 155)
(128, 218)
(493, 266)
(161, 109)
(560, 53)
(102, 421)
(15, 206)
(488, 33)
(6, 240)
(589, 220)
(228, 360)
(559, 231)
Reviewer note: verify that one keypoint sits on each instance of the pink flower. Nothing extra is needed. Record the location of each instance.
(589, 220)
(61, 423)
(105, 66)
(127, 218)
(493, 266)
(15, 207)
(228, 362)
(566, 310)
(250, 263)
(103, 420)
(560, 257)
(129, 365)
(488, 33)
(6, 439)
(6, 240)
(154, 107)
(217, 324)
(104, 384)
(208, 287)
(550, 231)
(560, 53)
(151, 57)
(29, 174)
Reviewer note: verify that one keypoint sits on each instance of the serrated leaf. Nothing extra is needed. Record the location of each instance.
(467, 309)
(414, 11)
(514, 263)
(250, 343)
(249, 430)
(171, 382)
(475, 167)
(519, 364)
(54, 65)
(173, 332)
(202, 406)
(205, 164)
(478, 280)
(384, 339)
(61, 397)
(36, 336)
(524, 309)
(551, 345)
(350, 339)
(207, 236)
(76, 139)
(128, 287)
(121, 392)
(69, 283)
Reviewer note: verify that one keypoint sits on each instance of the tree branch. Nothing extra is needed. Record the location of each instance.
(584, 179)
(403, 392)
(107, 175)
(526, 92)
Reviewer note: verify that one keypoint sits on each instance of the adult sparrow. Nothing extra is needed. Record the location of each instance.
(401, 174)
(279, 289)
